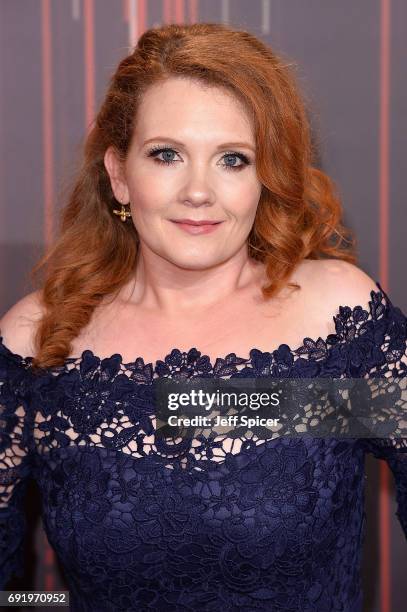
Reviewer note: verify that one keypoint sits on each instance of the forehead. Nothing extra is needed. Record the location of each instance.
(183, 107)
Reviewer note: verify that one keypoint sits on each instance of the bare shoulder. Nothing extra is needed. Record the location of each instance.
(17, 325)
(335, 282)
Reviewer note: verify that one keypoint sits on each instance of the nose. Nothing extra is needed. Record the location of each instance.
(197, 190)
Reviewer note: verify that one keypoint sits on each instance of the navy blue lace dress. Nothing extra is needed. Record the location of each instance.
(277, 525)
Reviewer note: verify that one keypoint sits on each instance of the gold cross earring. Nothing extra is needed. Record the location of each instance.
(122, 212)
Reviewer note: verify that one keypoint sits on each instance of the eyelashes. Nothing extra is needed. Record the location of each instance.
(155, 151)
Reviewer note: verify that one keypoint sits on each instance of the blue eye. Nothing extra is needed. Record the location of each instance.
(240, 156)
(155, 151)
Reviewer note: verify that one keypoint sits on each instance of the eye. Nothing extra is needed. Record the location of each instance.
(233, 154)
(155, 151)
(168, 151)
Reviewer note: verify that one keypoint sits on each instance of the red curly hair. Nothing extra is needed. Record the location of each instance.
(299, 213)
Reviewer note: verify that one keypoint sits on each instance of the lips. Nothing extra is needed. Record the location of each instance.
(197, 227)
(192, 222)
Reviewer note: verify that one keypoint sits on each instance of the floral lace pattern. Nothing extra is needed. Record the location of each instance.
(209, 524)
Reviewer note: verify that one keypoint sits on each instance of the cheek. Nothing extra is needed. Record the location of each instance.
(148, 195)
(246, 186)
(246, 201)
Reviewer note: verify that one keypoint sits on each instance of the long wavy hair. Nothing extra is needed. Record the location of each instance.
(299, 214)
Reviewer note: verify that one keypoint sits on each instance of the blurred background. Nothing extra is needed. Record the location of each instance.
(56, 57)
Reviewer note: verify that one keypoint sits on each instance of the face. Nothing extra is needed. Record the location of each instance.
(192, 156)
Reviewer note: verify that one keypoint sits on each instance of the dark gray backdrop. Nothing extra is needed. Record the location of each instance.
(55, 59)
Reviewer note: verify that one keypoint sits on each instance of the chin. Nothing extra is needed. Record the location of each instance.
(190, 263)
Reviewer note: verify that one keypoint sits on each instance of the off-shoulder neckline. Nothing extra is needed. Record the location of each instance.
(343, 311)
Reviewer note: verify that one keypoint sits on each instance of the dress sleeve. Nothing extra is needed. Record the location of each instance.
(394, 452)
(392, 331)
(15, 461)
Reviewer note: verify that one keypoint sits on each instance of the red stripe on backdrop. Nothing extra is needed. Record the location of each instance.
(384, 197)
(89, 77)
(137, 21)
(179, 11)
(49, 563)
(384, 518)
(167, 11)
(125, 10)
(175, 11)
(193, 11)
(48, 560)
(142, 17)
(47, 121)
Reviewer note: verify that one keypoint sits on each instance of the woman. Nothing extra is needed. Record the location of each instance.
(198, 238)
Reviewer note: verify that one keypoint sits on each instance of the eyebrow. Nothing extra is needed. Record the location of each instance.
(225, 145)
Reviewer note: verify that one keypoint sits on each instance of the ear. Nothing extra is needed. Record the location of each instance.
(115, 171)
